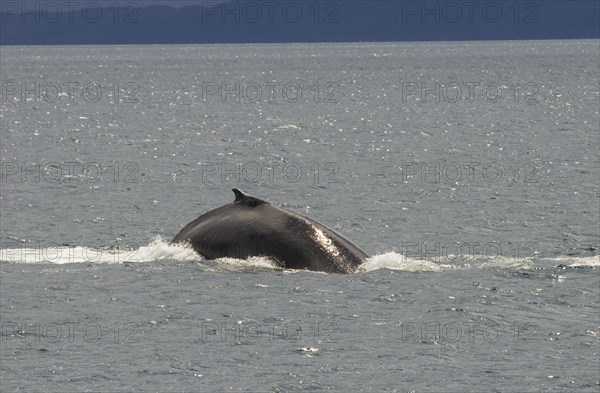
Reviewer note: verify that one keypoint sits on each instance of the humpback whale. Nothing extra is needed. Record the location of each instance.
(250, 227)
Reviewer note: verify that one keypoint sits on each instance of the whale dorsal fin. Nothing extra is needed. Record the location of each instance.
(247, 200)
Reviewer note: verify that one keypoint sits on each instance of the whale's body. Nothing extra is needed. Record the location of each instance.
(252, 227)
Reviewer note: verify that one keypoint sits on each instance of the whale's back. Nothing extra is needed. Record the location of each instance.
(252, 227)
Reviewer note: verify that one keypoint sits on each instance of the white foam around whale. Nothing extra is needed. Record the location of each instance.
(160, 249)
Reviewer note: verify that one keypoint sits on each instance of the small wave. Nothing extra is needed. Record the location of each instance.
(158, 249)
(593, 261)
(395, 261)
(260, 262)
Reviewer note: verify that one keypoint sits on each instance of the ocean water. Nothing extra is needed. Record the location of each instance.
(469, 171)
